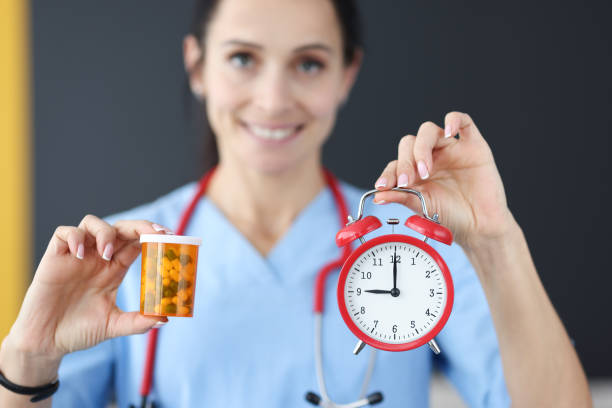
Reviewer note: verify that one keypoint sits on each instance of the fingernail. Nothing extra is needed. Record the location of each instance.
(380, 202)
(108, 252)
(159, 324)
(402, 180)
(158, 228)
(423, 169)
(381, 182)
(447, 131)
(80, 251)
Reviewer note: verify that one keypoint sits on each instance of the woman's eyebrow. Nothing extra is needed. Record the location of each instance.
(316, 46)
(242, 43)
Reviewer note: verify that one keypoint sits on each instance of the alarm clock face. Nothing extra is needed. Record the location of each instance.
(398, 313)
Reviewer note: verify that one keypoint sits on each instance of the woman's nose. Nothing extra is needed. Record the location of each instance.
(273, 94)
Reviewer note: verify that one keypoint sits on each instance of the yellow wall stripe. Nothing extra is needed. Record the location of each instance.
(15, 151)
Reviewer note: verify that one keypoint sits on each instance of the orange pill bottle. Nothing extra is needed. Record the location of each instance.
(168, 274)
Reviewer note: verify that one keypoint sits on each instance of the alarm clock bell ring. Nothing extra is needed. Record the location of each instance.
(426, 225)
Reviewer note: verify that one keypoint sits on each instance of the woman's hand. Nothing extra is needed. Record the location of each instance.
(457, 177)
(70, 304)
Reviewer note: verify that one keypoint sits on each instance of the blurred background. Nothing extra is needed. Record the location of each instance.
(96, 118)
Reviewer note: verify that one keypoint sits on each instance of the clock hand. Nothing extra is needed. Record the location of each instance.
(395, 268)
(378, 291)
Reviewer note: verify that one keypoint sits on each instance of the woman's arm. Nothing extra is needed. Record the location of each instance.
(460, 181)
(25, 368)
(540, 364)
(70, 304)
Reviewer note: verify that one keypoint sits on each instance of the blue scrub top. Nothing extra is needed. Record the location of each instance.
(250, 342)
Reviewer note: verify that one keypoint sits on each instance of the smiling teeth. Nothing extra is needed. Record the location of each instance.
(272, 134)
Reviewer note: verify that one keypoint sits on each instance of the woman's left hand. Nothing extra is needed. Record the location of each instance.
(457, 177)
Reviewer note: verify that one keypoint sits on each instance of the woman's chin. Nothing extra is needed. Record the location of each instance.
(273, 165)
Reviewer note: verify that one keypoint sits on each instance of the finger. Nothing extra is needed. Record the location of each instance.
(459, 123)
(67, 238)
(429, 137)
(128, 234)
(127, 254)
(387, 179)
(409, 200)
(130, 230)
(406, 166)
(103, 232)
(128, 323)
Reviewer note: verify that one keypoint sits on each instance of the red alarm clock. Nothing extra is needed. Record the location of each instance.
(395, 291)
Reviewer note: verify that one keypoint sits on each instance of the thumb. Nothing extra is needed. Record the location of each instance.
(128, 323)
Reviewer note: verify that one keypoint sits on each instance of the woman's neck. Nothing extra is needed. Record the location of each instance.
(262, 206)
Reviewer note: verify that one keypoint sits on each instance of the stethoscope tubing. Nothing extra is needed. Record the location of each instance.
(325, 399)
(319, 291)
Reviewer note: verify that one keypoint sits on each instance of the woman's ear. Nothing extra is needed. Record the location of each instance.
(350, 75)
(193, 60)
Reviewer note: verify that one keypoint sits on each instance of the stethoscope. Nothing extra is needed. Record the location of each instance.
(323, 399)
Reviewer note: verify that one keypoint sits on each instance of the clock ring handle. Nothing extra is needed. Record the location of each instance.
(404, 190)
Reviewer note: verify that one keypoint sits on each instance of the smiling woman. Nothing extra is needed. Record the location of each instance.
(273, 74)
(272, 99)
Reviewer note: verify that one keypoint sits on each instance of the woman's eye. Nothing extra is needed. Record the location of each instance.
(310, 66)
(241, 60)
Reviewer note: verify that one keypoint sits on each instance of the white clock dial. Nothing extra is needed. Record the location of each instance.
(401, 314)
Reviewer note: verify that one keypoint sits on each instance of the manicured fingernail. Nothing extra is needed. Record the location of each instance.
(158, 228)
(380, 202)
(108, 252)
(447, 131)
(159, 324)
(402, 180)
(381, 182)
(80, 251)
(423, 169)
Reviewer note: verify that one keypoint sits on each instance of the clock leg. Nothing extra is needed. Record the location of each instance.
(358, 347)
(434, 346)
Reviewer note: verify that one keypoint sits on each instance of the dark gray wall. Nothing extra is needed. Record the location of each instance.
(111, 128)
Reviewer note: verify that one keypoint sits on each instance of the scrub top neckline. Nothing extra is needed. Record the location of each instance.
(286, 242)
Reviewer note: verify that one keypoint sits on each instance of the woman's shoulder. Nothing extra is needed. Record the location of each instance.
(164, 210)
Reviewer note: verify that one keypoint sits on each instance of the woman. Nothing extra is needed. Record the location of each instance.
(273, 74)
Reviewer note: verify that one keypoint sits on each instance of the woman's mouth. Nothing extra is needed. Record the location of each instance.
(273, 133)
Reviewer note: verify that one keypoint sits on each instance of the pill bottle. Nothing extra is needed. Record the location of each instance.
(168, 274)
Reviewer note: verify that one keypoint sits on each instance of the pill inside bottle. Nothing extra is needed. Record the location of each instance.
(168, 274)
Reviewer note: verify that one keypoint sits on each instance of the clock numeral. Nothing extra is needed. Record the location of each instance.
(377, 261)
(412, 324)
(366, 275)
(427, 273)
(398, 258)
(413, 261)
(375, 323)
(358, 291)
(394, 328)
(426, 312)
(431, 293)
(363, 309)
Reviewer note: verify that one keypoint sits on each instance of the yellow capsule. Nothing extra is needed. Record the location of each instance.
(175, 299)
(157, 309)
(184, 310)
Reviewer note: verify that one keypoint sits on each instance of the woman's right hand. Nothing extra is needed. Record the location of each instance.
(70, 304)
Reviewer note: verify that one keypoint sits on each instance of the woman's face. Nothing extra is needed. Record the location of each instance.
(273, 76)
